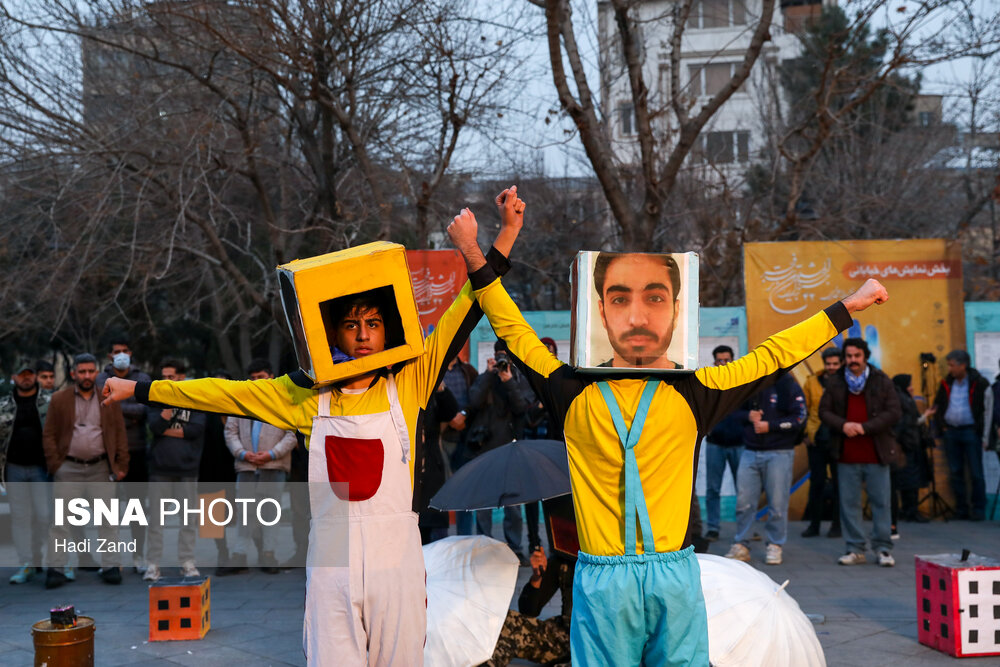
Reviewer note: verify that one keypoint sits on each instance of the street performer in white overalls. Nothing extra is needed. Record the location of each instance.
(362, 434)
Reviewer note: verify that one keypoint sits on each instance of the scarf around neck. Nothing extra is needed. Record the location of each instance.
(856, 383)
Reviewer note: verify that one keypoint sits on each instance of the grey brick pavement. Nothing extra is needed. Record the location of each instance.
(869, 612)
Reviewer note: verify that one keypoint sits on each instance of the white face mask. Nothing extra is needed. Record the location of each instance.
(121, 361)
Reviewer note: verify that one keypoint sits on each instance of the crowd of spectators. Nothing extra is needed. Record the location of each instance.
(869, 448)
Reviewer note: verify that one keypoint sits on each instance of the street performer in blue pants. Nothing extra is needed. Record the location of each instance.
(632, 443)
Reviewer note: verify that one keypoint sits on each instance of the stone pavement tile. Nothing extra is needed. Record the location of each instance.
(19, 657)
(222, 656)
(852, 656)
(266, 647)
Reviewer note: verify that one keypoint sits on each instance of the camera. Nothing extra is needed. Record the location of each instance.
(503, 365)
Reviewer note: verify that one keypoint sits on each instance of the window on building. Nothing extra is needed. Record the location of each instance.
(717, 75)
(711, 78)
(663, 81)
(723, 147)
(694, 86)
(926, 118)
(626, 119)
(707, 14)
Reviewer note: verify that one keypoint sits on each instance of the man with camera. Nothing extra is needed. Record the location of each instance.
(500, 399)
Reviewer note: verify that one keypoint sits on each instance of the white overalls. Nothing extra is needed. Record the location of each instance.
(374, 611)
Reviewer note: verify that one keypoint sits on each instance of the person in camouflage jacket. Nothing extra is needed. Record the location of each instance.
(525, 636)
(22, 461)
(8, 413)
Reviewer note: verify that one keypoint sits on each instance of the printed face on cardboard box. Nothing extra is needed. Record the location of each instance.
(635, 310)
(351, 312)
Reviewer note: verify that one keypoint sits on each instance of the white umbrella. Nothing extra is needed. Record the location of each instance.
(752, 620)
(470, 582)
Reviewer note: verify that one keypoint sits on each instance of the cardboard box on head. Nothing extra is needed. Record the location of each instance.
(635, 311)
(319, 292)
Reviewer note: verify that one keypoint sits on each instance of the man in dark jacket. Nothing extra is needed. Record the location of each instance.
(430, 469)
(501, 399)
(174, 458)
(772, 427)
(964, 414)
(723, 445)
(860, 406)
(906, 480)
(121, 366)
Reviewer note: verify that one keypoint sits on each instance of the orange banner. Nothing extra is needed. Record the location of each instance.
(787, 282)
(437, 277)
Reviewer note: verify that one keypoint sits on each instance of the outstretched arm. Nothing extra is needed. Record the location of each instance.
(720, 389)
(279, 402)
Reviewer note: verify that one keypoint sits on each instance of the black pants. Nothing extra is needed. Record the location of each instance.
(905, 485)
(138, 471)
(819, 459)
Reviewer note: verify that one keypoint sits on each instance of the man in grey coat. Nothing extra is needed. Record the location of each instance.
(263, 457)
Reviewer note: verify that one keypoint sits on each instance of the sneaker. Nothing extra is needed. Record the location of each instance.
(851, 558)
(811, 531)
(297, 560)
(54, 578)
(268, 563)
(885, 559)
(111, 575)
(237, 564)
(893, 533)
(773, 555)
(152, 573)
(23, 575)
(139, 564)
(739, 552)
(712, 536)
(189, 570)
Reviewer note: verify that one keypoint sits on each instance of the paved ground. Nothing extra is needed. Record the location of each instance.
(869, 612)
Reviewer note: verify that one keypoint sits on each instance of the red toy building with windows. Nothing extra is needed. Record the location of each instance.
(958, 604)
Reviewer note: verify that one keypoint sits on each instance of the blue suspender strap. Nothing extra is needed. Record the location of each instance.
(635, 500)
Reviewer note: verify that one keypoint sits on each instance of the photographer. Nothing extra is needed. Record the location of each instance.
(500, 398)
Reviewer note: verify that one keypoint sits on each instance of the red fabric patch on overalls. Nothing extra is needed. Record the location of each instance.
(356, 462)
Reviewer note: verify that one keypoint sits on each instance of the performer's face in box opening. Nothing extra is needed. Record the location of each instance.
(638, 308)
(361, 332)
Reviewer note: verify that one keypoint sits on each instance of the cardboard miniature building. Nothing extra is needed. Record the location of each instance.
(315, 291)
(958, 604)
(179, 608)
(634, 310)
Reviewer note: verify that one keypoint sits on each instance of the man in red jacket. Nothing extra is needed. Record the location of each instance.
(861, 407)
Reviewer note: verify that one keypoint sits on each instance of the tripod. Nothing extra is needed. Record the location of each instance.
(996, 494)
(939, 506)
(928, 383)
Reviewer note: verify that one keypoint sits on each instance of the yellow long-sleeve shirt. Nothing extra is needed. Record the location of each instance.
(287, 405)
(684, 409)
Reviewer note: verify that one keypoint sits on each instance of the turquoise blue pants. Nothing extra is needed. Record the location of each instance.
(640, 609)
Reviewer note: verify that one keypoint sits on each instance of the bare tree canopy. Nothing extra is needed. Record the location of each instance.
(158, 159)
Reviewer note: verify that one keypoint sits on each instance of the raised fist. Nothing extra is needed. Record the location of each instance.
(511, 208)
(872, 292)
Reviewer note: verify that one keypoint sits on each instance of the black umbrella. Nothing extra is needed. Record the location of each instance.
(522, 471)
